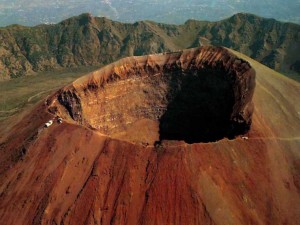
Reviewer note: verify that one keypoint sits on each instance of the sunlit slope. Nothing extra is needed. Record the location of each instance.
(276, 99)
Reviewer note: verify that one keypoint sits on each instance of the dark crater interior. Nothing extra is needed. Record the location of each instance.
(199, 108)
(171, 97)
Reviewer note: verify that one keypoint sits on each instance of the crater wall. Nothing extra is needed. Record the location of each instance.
(195, 95)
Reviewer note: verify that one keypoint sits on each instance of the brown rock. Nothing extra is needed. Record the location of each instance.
(197, 95)
(71, 174)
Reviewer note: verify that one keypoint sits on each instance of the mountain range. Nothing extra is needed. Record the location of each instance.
(87, 40)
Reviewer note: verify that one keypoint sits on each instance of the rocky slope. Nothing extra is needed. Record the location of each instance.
(87, 40)
(78, 173)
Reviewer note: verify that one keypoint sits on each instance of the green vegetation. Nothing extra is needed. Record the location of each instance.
(84, 42)
(90, 41)
(16, 94)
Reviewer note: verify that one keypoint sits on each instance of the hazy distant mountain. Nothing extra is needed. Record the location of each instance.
(33, 12)
(87, 40)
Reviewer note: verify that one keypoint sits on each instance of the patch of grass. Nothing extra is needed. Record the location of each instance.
(16, 94)
(295, 76)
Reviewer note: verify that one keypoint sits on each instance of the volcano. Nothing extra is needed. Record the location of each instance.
(197, 95)
(199, 136)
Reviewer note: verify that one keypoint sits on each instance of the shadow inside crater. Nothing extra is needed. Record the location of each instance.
(199, 109)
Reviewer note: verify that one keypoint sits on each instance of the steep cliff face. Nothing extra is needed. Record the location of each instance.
(76, 172)
(197, 95)
(87, 40)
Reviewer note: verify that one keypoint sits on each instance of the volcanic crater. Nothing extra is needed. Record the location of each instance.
(196, 95)
(96, 167)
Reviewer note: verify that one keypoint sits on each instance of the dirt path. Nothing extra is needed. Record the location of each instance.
(39, 93)
(10, 111)
(276, 138)
(17, 109)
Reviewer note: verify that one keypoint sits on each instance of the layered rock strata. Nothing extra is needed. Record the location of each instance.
(197, 95)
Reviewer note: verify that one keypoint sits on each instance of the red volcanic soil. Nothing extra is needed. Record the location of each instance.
(125, 153)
